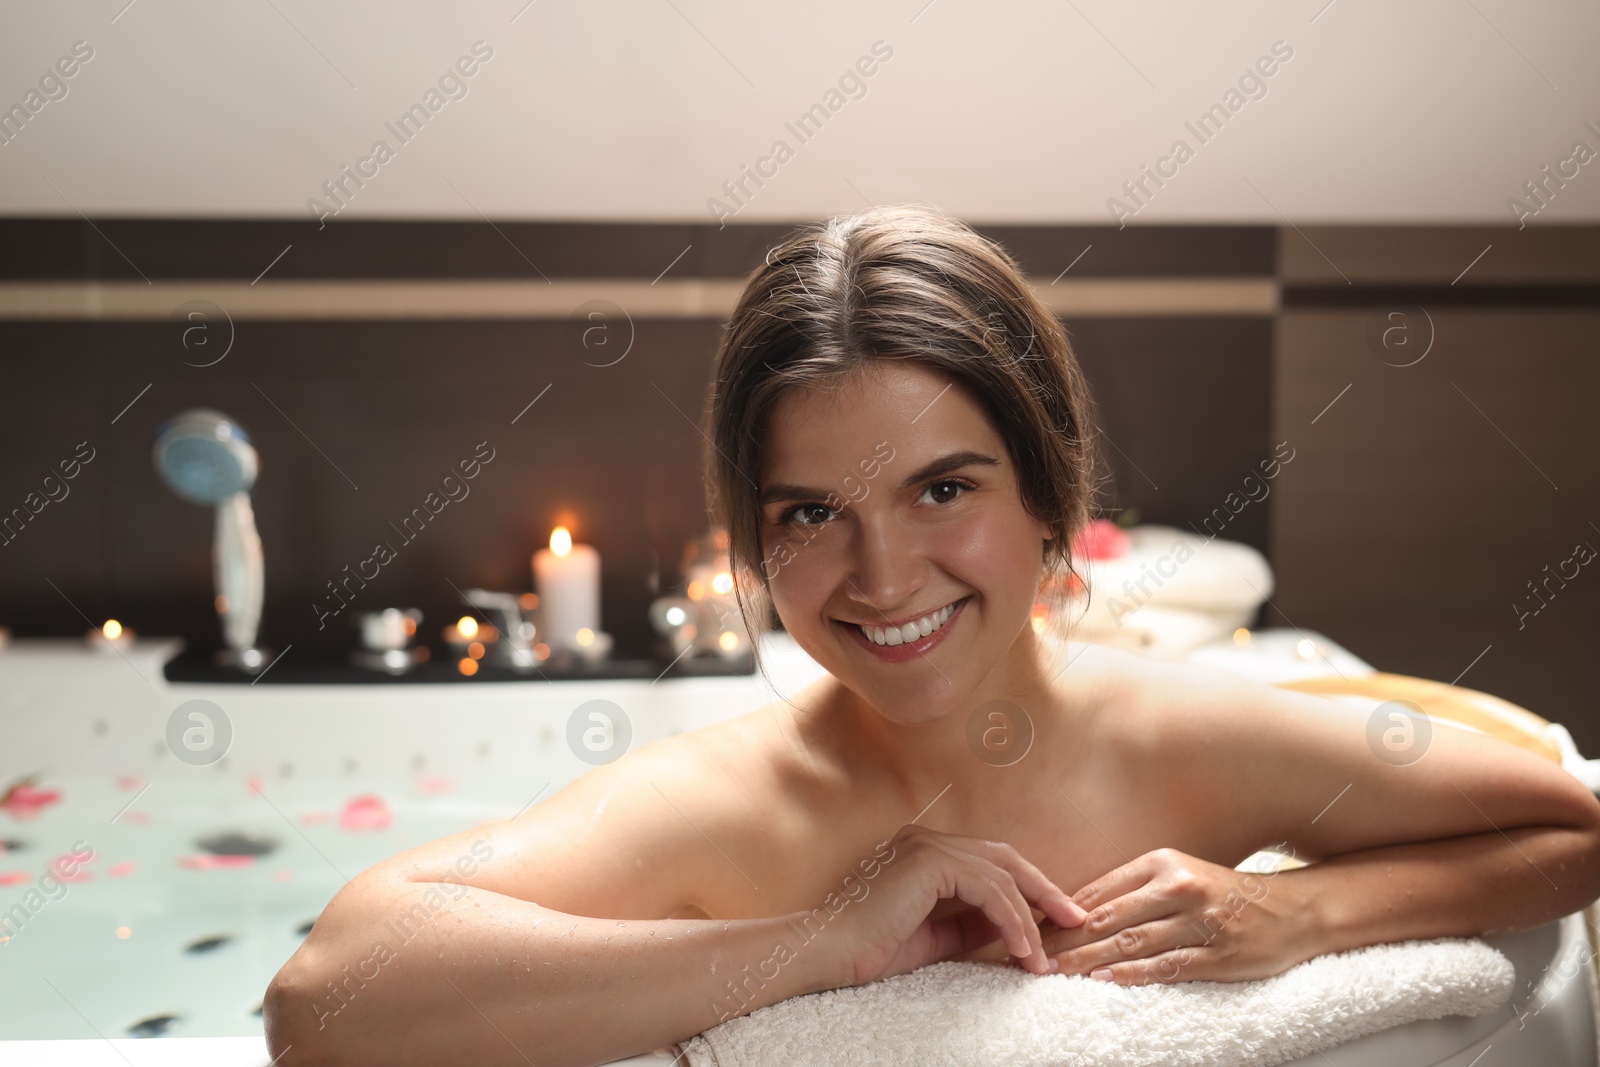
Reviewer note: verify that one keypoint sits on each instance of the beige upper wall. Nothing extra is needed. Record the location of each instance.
(1001, 112)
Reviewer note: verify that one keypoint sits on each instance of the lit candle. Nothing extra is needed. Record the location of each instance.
(112, 635)
(467, 639)
(568, 580)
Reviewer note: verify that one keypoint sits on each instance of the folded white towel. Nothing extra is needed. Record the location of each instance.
(972, 1013)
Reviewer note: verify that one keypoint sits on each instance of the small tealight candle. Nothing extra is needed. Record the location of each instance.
(590, 646)
(112, 636)
(466, 637)
(568, 579)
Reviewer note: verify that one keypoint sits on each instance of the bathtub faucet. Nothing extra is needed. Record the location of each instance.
(514, 648)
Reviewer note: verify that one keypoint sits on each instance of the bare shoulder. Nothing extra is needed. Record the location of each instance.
(1127, 693)
(1163, 706)
(630, 839)
(1174, 733)
(1255, 765)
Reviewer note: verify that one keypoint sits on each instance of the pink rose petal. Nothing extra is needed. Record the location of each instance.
(66, 867)
(26, 801)
(437, 784)
(129, 781)
(123, 869)
(30, 795)
(365, 812)
(14, 877)
(207, 862)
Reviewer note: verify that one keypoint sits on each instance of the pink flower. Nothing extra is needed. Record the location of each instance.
(1101, 539)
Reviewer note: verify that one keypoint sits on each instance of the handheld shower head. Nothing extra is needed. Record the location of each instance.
(206, 458)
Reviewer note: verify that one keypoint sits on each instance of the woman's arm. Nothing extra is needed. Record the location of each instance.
(1462, 836)
(553, 938)
(1457, 836)
(1499, 881)
(467, 975)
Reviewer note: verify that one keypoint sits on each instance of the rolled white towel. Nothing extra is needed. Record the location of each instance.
(972, 1013)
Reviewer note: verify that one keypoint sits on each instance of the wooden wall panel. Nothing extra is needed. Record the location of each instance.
(1426, 498)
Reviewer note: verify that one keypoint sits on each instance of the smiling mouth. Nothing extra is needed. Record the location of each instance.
(915, 630)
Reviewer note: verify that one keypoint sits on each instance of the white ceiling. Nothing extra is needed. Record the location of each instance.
(1432, 111)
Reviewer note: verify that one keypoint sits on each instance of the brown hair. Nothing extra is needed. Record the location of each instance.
(897, 283)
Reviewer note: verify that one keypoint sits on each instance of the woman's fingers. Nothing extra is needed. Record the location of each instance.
(1031, 882)
(1108, 920)
(1136, 940)
(1011, 880)
(996, 896)
(1126, 878)
(1045, 894)
(893, 930)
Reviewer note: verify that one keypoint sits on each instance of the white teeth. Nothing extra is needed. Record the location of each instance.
(911, 631)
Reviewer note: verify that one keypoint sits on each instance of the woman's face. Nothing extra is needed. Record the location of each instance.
(866, 519)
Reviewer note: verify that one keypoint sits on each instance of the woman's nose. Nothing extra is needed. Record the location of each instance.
(888, 564)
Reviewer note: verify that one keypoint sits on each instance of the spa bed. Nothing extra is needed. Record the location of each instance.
(60, 698)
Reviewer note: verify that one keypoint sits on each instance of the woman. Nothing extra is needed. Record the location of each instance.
(901, 451)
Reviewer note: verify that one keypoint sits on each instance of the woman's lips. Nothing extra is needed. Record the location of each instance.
(912, 649)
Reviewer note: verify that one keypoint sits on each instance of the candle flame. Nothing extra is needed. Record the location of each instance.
(561, 541)
(467, 625)
(112, 629)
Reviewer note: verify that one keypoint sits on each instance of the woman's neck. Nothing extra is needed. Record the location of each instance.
(1022, 705)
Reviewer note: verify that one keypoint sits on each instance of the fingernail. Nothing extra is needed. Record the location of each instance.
(1101, 974)
(1055, 965)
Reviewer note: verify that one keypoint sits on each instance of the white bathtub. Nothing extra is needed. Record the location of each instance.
(200, 943)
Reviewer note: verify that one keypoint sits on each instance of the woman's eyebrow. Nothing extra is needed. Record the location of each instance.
(772, 494)
(946, 464)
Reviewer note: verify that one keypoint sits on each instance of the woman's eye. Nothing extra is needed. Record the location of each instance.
(945, 484)
(810, 516)
(791, 517)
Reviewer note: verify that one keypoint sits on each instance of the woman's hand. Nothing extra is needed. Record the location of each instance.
(889, 932)
(1170, 917)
